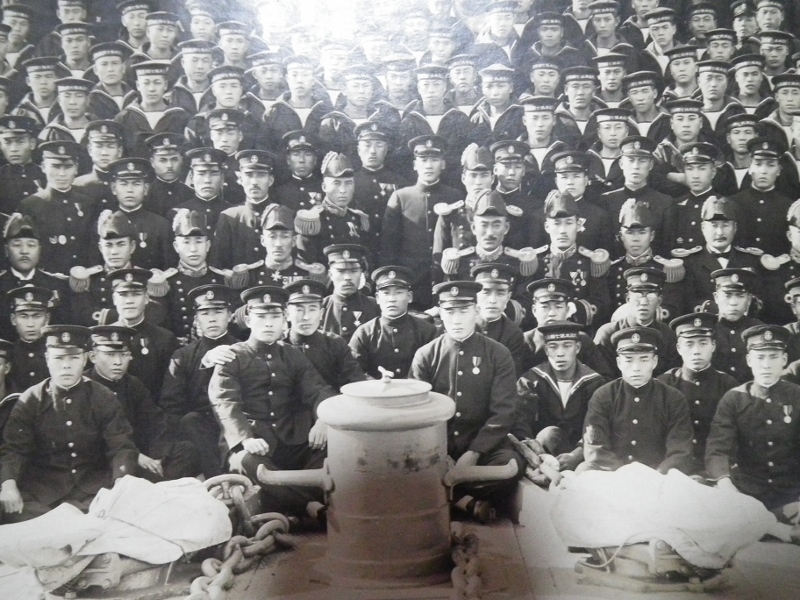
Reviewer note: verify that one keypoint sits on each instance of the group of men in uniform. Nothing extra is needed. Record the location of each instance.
(584, 230)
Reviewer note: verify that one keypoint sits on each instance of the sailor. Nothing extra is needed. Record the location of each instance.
(207, 179)
(303, 185)
(111, 93)
(20, 176)
(103, 143)
(30, 309)
(167, 190)
(346, 308)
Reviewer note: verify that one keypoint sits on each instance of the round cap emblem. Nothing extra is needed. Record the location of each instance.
(166, 141)
(569, 160)
(114, 336)
(28, 297)
(637, 145)
(735, 278)
(429, 144)
(306, 289)
(551, 287)
(635, 338)
(129, 277)
(511, 149)
(207, 158)
(495, 273)
(698, 322)
(765, 145)
(768, 335)
(695, 150)
(224, 116)
(209, 295)
(374, 127)
(644, 277)
(65, 337)
(12, 125)
(302, 139)
(391, 274)
(346, 254)
(454, 291)
(103, 128)
(131, 166)
(267, 298)
(62, 150)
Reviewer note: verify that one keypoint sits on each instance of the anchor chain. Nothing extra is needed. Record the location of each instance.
(466, 575)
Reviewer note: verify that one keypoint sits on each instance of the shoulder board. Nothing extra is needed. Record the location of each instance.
(684, 252)
(601, 260)
(443, 208)
(750, 250)
(451, 258)
(773, 263)
(313, 268)
(673, 268)
(157, 285)
(616, 261)
(306, 221)
(513, 210)
(528, 260)
(218, 271)
(541, 249)
(364, 217)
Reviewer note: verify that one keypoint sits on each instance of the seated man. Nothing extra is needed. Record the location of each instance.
(346, 308)
(269, 421)
(390, 340)
(66, 437)
(184, 395)
(328, 352)
(636, 418)
(159, 457)
(696, 379)
(754, 443)
(554, 395)
(479, 374)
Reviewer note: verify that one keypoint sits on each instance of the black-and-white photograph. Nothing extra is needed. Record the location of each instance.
(381, 300)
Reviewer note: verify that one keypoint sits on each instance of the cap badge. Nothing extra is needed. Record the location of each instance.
(637, 145)
(695, 150)
(698, 322)
(209, 295)
(765, 145)
(391, 274)
(374, 127)
(253, 158)
(267, 298)
(346, 254)
(644, 277)
(166, 142)
(65, 337)
(28, 297)
(129, 277)
(306, 289)
(207, 158)
(302, 139)
(429, 143)
(767, 336)
(62, 150)
(224, 116)
(511, 149)
(103, 128)
(569, 160)
(735, 278)
(495, 274)
(635, 338)
(114, 336)
(12, 125)
(131, 166)
(551, 287)
(454, 291)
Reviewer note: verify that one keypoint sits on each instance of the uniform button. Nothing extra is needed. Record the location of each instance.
(269, 393)
(71, 445)
(269, 355)
(769, 480)
(455, 433)
(630, 457)
(274, 425)
(396, 350)
(68, 400)
(636, 399)
(30, 354)
(759, 219)
(32, 374)
(733, 332)
(460, 353)
(458, 393)
(397, 370)
(74, 471)
(733, 349)
(74, 455)
(697, 422)
(693, 223)
(697, 401)
(694, 441)
(769, 444)
(458, 414)
(344, 309)
(770, 464)
(461, 372)
(633, 442)
(272, 414)
(69, 423)
(635, 421)
(273, 374)
(344, 328)
(769, 421)
(769, 400)
(394, 330)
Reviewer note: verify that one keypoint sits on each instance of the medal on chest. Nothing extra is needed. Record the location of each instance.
(276, 276)
(145, 349)
(315, 197)
(357, 314)
(476, 362)
(787, 414)
(143, 240)
(353, 229)
(78, 209)
(578, 278)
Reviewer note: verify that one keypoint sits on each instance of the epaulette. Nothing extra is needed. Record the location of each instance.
(79, 277)
(750, 250)
(528, 260)
(307, 222)
(773, 263)
(157, 285)
(514, 210)
(444, 209)
(601, 260)
(541, 249)
(363, 216)
(613, 262)
(684, 252)
(452, 256)
(60, 276)
(673, 268)
(315, 271)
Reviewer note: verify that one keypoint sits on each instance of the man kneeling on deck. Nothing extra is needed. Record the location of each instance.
(266, 400)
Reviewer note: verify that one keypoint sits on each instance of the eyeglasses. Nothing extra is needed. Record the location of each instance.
(639, 296)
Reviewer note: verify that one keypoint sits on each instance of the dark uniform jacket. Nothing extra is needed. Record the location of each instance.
(180, 307)
(330, 355)
(152, 348)
(351, 227)
(699, 265)
(407, 233)
(371, 195)
(764, 213)
(508, 125)
(650, 425)
(137, 128)
(299, 193)
(540, 403)
(731, 354)
(775, 272)
(237, 238)
(212, 209)
(154, 248)
(703, 390)
(269, 391)
(661, 205)
(390, 343)
(185, 388)
(672, 292)
(97, 187)
(752, 442)
(28, 365)
(59, 442)
(668, 356)
(281, 118)
(18, 182)
(63, 220)
(506, 332)
(590, 355)
(163, 196)
(478, 373)
(104, 106)
(689, 208)
(10, 279)
(343, 316)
